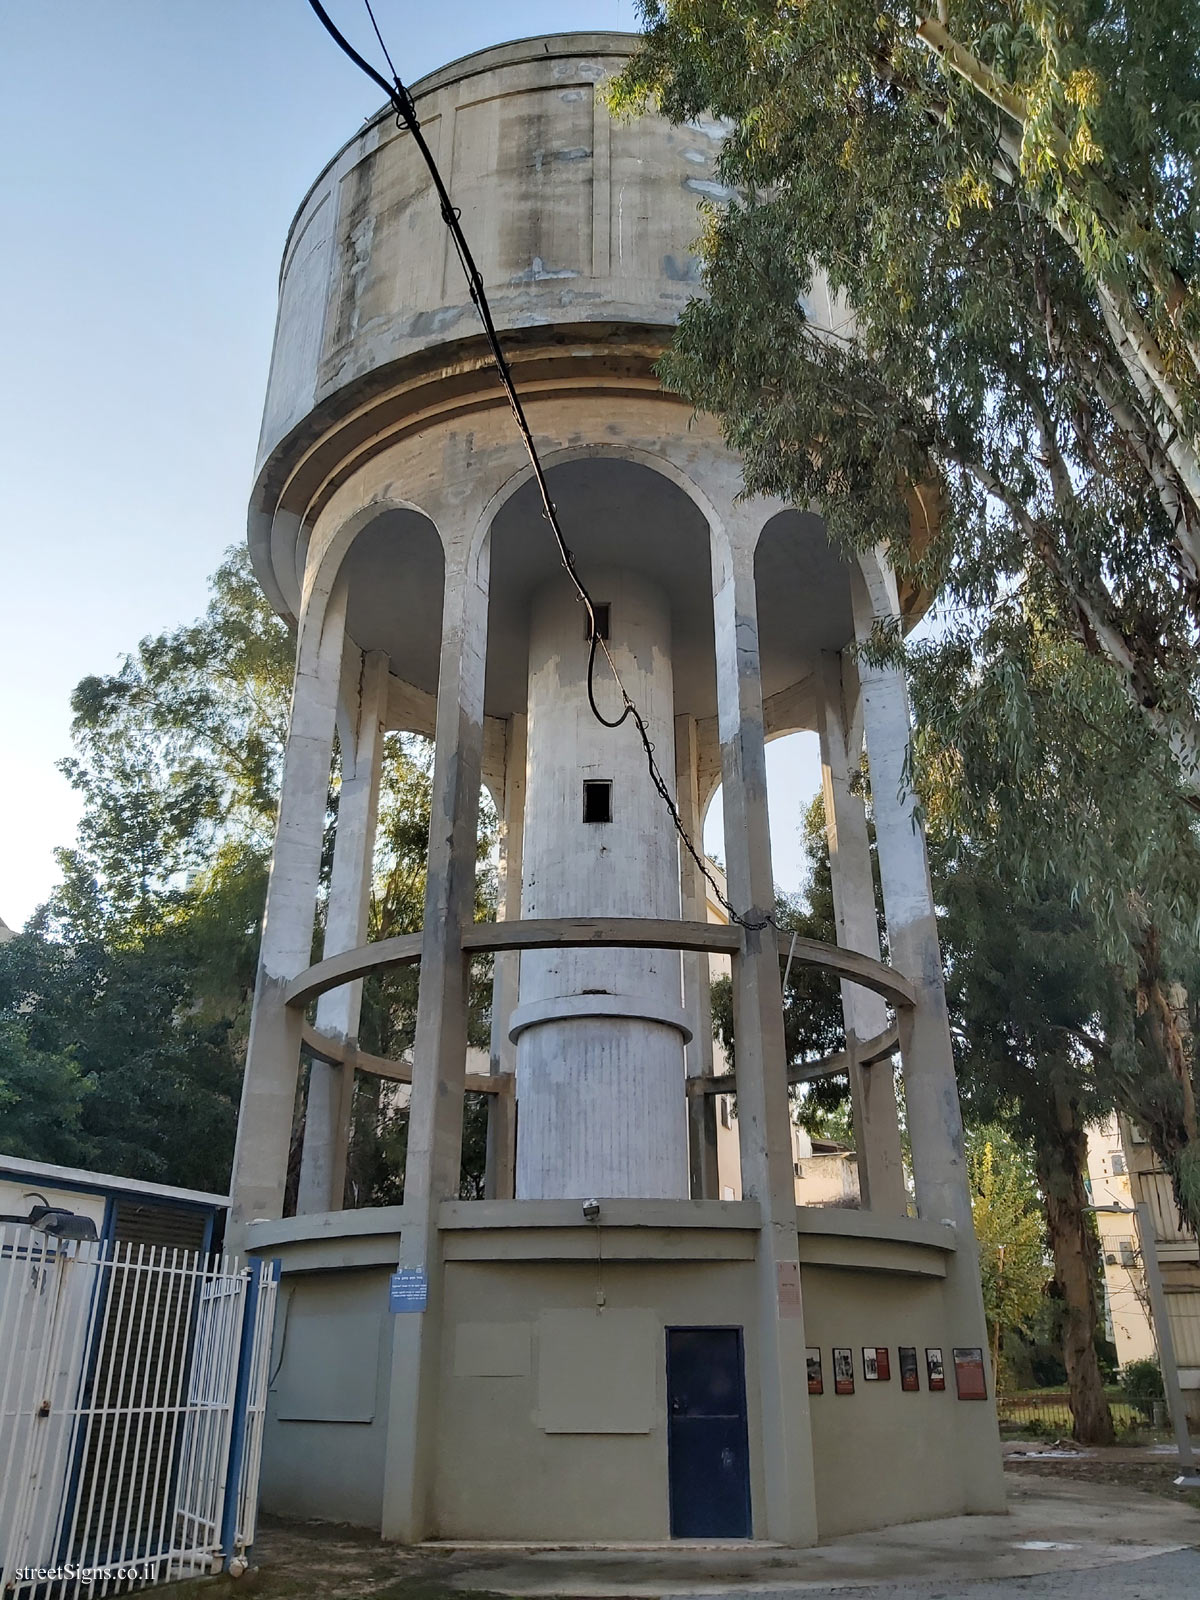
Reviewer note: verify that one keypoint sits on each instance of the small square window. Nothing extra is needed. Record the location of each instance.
(597, 800)
(601, 611)
(1118, 1163)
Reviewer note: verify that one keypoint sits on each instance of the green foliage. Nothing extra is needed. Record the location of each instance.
(124, 1010)
(177, 762)
(951, 301)
(812, 1011)
(379, 1146)
(105, 1062)
(1142, 1384)
(1007, 1213)
(41, 1096)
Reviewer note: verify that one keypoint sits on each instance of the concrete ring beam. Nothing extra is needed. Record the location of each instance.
(623, 933)
(880, 1048)
(339, 1053)
(849, 966)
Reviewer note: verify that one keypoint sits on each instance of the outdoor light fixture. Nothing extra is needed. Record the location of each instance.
(591, 1210)
(56, 1222)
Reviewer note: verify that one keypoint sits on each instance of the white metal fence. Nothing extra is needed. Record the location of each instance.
(132, 1395)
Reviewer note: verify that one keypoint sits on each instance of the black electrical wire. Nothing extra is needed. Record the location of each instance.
(406, 117)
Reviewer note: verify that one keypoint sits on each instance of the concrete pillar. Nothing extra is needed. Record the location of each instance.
(600, 1033)
(330, 1088)
(273, 1051)
(439, 1048)
(872, 1089)
(933, 1115)
(764, 1123)
(500, 1170)
(698, 1055)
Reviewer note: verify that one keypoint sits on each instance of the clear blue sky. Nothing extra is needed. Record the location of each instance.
(154, 153)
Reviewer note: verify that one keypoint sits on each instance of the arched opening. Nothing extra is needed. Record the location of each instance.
(377, 837)
(586, 833)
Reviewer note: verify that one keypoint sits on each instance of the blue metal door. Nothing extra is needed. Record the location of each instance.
(708, 1453)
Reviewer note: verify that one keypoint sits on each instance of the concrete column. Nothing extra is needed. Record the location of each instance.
(698, 1055)
(764, 1123)
(264, 1130)
(934, 1118)
(330, 1088)
(439, 1048)
(872, 1089)
(600, 1063)
(500, 1170)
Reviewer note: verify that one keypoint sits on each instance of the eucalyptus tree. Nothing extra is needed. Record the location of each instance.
(1027, 988)
(1035, 771)
(1002, 202)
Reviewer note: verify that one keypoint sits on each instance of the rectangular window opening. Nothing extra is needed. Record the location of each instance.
(601, 610)
(597, 800)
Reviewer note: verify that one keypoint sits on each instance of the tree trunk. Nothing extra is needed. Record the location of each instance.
(1061, 1166)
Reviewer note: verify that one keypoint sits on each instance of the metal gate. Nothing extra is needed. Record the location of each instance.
(132, 1396)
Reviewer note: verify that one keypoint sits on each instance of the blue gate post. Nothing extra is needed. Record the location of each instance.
(241, 1407)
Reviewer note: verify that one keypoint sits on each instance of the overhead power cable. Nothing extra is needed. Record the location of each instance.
(406, 117)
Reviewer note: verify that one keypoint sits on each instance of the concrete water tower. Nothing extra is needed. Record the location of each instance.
(602, 1348)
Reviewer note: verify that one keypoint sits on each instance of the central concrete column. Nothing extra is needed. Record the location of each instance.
(331, 1088)
(873, 1088)
(434, 1153)
(600, 1033)
(264, 1129)
(934, 1118)
(764, 1121)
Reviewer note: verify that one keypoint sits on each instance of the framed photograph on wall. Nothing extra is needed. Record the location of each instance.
(970, 1375)
(843, 1370)
(877, 1366)
(935, 1368)
(816, 1382)
(910, 1377)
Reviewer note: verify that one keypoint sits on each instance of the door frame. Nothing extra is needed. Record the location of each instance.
(712, 1327)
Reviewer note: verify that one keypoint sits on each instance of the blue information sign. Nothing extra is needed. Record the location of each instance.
(407, 1290)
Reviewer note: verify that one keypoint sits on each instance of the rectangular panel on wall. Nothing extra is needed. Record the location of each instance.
(597, 1373)
(535, 145)
(492, 1349)
(329, 1362)
(387, 214)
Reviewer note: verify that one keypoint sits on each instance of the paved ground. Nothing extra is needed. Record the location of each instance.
(1062, 1540)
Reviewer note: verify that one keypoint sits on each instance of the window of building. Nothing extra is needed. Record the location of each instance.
(798, 1169)
(597, 800)
(724, 1102)
(1118, 1164)
(601, 610)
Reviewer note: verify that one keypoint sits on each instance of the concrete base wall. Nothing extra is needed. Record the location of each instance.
(551, 1397)
(883, 1455)
(326, 1432)
(501, 1473)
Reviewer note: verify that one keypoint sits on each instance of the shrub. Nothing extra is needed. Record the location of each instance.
(1142, 1385)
